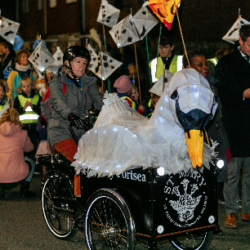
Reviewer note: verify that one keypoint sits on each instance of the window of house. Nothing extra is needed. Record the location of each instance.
(52, 3)
(25, 6)
(71, 1)
(40, 4)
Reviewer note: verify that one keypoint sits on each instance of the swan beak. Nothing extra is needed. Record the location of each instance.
(194, 139)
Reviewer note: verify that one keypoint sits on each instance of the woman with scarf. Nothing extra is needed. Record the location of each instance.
(22, 69)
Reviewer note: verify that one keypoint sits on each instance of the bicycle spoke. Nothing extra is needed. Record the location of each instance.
(108, 224)
(57, 207)
(121, 247)
(98, 216)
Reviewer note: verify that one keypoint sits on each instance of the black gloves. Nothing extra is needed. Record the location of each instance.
(76, 121)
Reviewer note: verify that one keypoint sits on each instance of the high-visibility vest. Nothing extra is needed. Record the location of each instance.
(29, 115)
(214, 61)
(149, 102)
(157, 67)
(149, 114)
(132, 102)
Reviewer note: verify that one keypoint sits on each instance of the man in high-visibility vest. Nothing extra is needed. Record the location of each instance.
(166, 60)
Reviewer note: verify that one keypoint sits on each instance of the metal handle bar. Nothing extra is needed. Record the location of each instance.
(87, 126)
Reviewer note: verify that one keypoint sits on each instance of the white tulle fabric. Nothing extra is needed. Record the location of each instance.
(122, 139)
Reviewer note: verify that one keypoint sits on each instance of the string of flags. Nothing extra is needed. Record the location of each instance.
(131, 29)
(128, 31)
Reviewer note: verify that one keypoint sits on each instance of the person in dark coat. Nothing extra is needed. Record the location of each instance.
(233, 73)
(214, 129)
(8, 62)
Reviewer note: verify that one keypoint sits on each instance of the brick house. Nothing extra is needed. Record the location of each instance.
(67, 21)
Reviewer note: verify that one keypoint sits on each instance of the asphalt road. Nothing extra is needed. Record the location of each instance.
(22, 227)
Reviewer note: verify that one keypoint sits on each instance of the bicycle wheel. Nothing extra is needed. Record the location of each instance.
(58, 205)
(192, 241)
(108, 222)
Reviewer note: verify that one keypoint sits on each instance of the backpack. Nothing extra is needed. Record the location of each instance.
(46, 107)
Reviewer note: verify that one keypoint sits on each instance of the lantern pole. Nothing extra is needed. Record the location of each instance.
(105, 49)
(159, 40)
(182, 38)
(149, 71)
(137, 68)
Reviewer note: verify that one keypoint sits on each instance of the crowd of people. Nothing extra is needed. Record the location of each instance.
(72, 92)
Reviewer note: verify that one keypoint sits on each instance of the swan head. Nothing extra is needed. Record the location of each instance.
(193, 106)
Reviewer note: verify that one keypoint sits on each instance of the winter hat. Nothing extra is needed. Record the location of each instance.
(123, 84)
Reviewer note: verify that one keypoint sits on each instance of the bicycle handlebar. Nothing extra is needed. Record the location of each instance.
(87, 126)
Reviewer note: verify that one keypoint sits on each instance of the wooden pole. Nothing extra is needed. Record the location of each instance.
(45, 17)
(149, 70)
(182, 38)
(104, 39)
(208, 142)
(159, 40)
(185, 51)
(101, 69)
(137, 69)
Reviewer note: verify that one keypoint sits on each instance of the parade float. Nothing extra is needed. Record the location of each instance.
(142, 180)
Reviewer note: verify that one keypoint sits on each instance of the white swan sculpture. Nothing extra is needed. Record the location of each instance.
(122, 139)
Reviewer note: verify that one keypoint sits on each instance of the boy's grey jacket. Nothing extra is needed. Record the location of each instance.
(73, 101)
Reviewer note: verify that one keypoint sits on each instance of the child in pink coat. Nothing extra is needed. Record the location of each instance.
(14, 142)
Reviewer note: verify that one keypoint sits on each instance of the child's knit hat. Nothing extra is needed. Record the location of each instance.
(123, 84)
